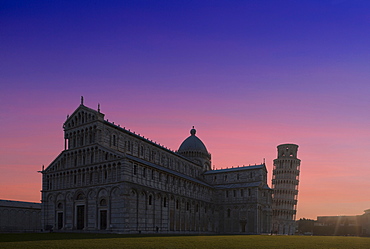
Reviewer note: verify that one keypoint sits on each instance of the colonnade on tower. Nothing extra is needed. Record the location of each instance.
(285, 182)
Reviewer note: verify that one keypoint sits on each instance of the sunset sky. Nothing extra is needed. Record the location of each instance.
(249, 75)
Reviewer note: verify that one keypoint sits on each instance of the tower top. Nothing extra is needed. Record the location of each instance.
(287, 150)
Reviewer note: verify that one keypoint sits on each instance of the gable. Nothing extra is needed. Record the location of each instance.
(81, 116)
(84, 157)
(55, 165)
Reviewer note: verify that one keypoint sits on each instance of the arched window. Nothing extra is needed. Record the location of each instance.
(150, 200)
(228, 213)
(103, 202)
(80, 197)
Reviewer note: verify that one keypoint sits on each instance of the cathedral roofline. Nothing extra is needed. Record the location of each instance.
(250, 167)
(168, 170)
(238, 185)
(20, 204)
(128, 131)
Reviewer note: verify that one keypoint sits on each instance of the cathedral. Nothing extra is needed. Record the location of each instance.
(111, 179)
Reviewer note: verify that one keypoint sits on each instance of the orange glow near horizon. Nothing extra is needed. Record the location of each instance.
(326, 168)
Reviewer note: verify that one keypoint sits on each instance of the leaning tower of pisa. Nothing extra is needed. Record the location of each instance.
(285, 181)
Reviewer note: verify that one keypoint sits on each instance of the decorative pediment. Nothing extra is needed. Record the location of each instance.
(90, 155)
(56, 164)
(81, 116)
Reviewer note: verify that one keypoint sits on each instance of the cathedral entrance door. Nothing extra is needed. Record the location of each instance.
(80, 217)
(60, 220)
(103, 219)
(243, 225)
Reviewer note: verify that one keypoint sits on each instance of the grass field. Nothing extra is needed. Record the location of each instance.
(69, 240)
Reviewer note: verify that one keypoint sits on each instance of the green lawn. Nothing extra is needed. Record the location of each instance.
(68, 240)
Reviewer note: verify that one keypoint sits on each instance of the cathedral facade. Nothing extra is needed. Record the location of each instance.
(111, 179)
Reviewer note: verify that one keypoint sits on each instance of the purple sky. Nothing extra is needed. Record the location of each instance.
(249, 75)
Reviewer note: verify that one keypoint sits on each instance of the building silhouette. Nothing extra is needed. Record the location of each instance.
(343, 225)
(20, 216)
(111, 179)
(285, 182)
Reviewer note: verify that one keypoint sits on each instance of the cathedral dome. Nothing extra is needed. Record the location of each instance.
(193, 143)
